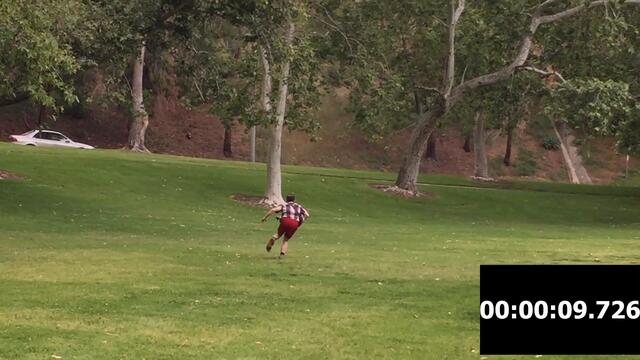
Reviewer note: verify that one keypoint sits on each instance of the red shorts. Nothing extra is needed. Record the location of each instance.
(288, 227)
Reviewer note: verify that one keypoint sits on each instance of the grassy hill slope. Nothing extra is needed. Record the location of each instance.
(107, 255)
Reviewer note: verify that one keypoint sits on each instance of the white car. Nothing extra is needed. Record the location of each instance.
(47, 138)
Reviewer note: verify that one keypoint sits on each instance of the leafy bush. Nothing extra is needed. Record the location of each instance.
(496, 167)
(334, 77)
(526, 164)
(551, 143)
(598, 108)
(539, 126)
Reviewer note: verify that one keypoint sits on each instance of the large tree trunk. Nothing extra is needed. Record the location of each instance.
(626, 167)
(408, 175)
(431, 147)
(252, 144)
(467, 144)
(226, 145)
(140, 121)
(480, 152)
(507, 153)
(407, 179)
(577, 172)
(41, 115)
(273, 193)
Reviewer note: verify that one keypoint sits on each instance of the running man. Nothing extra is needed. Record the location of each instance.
(292, 217)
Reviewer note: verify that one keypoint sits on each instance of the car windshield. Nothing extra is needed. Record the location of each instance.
(27, 133)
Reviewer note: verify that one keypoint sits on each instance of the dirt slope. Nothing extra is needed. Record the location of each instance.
(179, 131)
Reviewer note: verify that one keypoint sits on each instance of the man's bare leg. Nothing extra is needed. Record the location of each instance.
(284, 247)
(272, 241)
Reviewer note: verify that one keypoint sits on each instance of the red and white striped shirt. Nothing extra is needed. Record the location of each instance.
(294, 211)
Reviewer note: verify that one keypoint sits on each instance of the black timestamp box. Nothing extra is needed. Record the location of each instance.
(560, 309)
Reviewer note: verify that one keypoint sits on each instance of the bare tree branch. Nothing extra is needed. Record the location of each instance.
(458, 11)
(543, 72)
(464, 73)
(450, 71)
(523, 49)
(195, 82)
(336, 27)
(546, 3)
(346, 38)
(428, 89)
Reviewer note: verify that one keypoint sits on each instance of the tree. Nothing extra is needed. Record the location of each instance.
(271, 79)
(450, 95)
(138, 127)
(505, 105)
(39, 61)
(598, 108)
(505, 21)
(431, 147)
(600, 67)
(481, 167)
(290, 51)
(128, 33)
(287, 61)
(273, 192)
(216, 69)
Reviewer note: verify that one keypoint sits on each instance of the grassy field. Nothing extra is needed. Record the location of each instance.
(106, 255)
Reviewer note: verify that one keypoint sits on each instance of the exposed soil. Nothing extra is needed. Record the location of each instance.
(174, 129)
(250, 200)
(5, 175)
(400, 192)
(604, 164)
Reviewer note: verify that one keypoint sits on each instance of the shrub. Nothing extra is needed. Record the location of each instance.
(496, 167)
(526, 164)
(551, 143)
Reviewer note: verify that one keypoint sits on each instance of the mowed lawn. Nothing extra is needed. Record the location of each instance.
(107, 255)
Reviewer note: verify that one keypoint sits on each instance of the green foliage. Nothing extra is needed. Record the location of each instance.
(220, 64)
(496, 167)
(122, 27)
(601, 43)
(36, 42)
(216, 67)
(504, 104)
(526, 164)
(551, 143)
(388, 52)
(540, 126)
(597, 107)
(628, 134)
(487, 34)
(396, 50)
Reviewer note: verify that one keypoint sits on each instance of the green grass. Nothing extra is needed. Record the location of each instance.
(107, 255)
(633, 179)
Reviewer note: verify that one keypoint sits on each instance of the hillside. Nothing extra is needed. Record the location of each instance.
(179, 131)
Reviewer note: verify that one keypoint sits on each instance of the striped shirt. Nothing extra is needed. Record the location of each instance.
(294, 211)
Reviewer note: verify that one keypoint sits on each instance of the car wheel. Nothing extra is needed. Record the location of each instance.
(31, 144)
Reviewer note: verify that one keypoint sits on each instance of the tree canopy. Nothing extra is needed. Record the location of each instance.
(409, 64)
